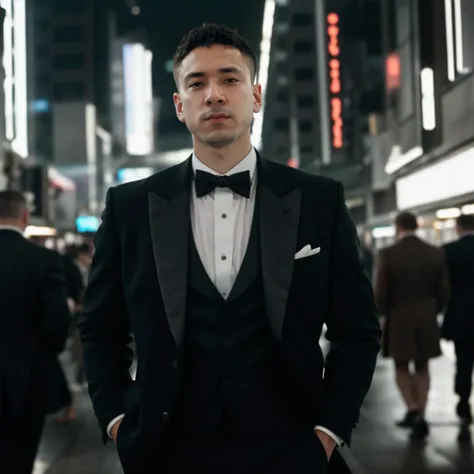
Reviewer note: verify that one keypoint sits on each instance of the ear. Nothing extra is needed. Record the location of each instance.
(178, 105)
(257, 98)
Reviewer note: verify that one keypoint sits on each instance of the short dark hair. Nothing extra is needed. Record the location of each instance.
(209, 34)
(465, 222)
(12, 204)
(406, 221)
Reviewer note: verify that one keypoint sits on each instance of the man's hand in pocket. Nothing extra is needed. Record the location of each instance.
(114, 430)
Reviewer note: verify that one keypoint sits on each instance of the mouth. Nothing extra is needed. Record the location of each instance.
(217, 118)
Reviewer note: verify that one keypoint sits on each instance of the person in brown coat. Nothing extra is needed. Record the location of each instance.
(411, 288)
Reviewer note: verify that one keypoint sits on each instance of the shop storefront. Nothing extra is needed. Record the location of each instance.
(439, 193)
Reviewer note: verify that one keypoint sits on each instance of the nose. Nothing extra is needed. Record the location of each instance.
(214, 95)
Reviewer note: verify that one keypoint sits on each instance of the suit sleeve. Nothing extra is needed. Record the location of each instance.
(104, 325)
(352, 327)
(381, 283)
(55, 319)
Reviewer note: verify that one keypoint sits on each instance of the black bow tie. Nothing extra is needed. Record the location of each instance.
(205, 183)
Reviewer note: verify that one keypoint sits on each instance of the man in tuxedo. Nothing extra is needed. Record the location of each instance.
(458, 324)
(34, 322)
(225, 268)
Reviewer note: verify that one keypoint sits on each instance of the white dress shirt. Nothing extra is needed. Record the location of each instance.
(221, 224)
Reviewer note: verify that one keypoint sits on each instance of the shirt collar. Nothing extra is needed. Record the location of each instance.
(12, 228)
(249, 163)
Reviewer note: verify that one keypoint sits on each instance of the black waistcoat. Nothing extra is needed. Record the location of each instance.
(233, 382)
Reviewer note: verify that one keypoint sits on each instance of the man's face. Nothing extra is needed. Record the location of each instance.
(216, 98)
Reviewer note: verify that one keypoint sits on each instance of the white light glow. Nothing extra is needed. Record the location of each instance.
(138, 99)
(15, 86)
(468, 209)
(262, 78)
(19, 143)
(461, 69)
(449, 213)
(428, 107)
(383, 232)
(448, 16)
(398, 160)
(447, 179)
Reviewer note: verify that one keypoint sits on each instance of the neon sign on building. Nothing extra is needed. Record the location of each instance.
(335, 101)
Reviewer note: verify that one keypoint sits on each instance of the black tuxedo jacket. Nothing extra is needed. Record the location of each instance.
(458, 324)
(34, 323)
(138, 283)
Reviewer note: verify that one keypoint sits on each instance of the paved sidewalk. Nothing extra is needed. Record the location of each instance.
(379, 447)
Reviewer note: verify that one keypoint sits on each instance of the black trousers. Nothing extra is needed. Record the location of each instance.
(19, 440)
(304, 454)
(464, 368)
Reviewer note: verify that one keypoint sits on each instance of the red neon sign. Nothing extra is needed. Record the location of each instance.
(335, 80)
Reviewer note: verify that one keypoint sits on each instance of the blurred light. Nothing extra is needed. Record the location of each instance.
(39, 231)
(293, 163)
(398, 160)
(126, 175)
(383, 232)
(392, 72)
(138, 99)
(443, 180)
(40, 105)
(468, 209)
(458, 27)
(262, 77)
(87, 224)
(15, 84)
(448, 213)
(428, 111)
(136, 10)
(448, 16)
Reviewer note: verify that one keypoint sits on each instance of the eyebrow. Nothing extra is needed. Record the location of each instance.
(222, 70)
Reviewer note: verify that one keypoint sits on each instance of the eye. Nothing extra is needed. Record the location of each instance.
(194, 85)
(231, 81)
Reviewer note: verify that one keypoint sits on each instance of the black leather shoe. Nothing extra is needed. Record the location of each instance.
(420, 429)
(463, 410)
(409, 419)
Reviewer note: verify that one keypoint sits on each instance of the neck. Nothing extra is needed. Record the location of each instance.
(12, 223)
(223, 159)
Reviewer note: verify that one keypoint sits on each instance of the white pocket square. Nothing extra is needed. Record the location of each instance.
(307, 251)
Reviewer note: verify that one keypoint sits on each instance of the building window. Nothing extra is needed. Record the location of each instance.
(68, 62)
(68, 34)
(303, 19)
(305, 101)
(71, 90)
(304, 74)
(282, 124)
(303, 47)
(305, 126)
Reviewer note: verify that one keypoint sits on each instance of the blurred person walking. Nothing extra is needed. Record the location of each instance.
(34, 322)
(458, 323)
(411, 289)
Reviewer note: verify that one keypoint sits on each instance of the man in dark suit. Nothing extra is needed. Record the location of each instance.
(225, 268)
(411, 289)
(458, 324)
(34, 322)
